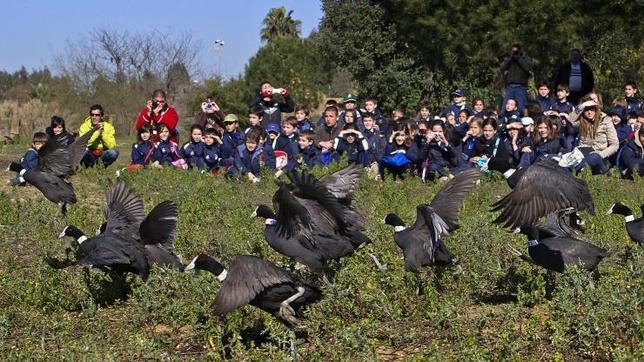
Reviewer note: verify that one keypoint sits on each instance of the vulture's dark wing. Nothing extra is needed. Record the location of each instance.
(60, 160)
(448, 201)
(436, 227)
(247, 277)
(124, 211)
(292, 217)
(342, 183)
(160, 225)
(308, 187)
(544, 187)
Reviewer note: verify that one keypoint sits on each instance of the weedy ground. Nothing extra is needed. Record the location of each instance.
(501, 308)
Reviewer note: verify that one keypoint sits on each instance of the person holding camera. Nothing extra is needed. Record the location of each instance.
(210, 116)
(439, 155)
(516, 69)
(102, 144)
(156, 112)
(272, 108)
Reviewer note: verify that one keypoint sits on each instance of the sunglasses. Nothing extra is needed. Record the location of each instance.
(95, 114)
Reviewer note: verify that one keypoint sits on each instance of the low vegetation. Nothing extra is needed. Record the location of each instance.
(501, 307)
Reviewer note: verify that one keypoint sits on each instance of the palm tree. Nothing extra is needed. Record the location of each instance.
(279, 24)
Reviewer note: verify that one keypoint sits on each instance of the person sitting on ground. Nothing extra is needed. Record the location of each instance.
(399, 155)
(250, 156)
(30, 159)
(231, 139)
(193, 150)
(487, 145)
(58, 130)
(544, 98)
(255, 117)
(212, 150)
(351, 142)
(309, 155)
(471, 137)
(439, 155)
(545, 144)
(166, 151)
(325, 135)
(210, 116)
(597, 132)
(562, 105)
(514, 143)
(632, 156)
(157, 111)
(371, 106)
(142, 149)
(272, 109)
(302, 116)
(103, 142)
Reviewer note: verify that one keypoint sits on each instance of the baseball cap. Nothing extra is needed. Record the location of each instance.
(349, 97)
(231, 118)
(458, 93)
(272, 127)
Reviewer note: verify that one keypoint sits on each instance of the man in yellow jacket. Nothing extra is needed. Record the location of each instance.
(103, 143)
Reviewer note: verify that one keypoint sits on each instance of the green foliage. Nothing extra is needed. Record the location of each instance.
(501, 308)
(278, 24)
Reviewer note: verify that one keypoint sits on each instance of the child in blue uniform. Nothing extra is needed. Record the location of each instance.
(166, 151)
(250, 156)
(231, 139)
(193, 151)
(30, 159)
(212, 150)
(142, 149)
(302, 116)
(309, 155)
(351, 142)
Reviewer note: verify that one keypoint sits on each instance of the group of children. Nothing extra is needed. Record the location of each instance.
(432, 147)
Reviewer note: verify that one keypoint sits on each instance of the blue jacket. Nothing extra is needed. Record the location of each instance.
(544, 102)
(412, 152)
(469, 147)
(273, 110)
(165, 152)
(633, 105)
(546, 148)
(30, 160)
(632, 155)
(356, 151)
(565, 107)
(193, 153)
(310, 156)
(305, 125)
(230, 142)
(211, 155)
(290, 146)
(439, 154)
(245, 161)
(376, 144)
(623, 133)
(141, 152)
(506, 117)
(456, 109)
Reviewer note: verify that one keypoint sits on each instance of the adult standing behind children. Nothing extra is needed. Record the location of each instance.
(103, 142)
(210, 116)
(577, 75)
(157, 111)
(516, 69)
(272, 108)
(58, 131)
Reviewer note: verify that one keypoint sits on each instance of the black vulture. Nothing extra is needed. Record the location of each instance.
(543, 188)
(634, 227)
(313, 225)
(564, 223)
(126, 223)
(555, 253)
(422, 243)
(56, 163)
(254, 281)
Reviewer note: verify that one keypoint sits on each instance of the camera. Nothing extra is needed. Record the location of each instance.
(154, 103)
(277, 90)
(423, 131)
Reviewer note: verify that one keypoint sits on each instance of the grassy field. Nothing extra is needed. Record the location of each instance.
(501, 308)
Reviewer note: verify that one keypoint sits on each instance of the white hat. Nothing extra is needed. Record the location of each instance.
(526, 121)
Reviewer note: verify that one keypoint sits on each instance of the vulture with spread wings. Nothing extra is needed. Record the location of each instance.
(543, 188)
(56, 163)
